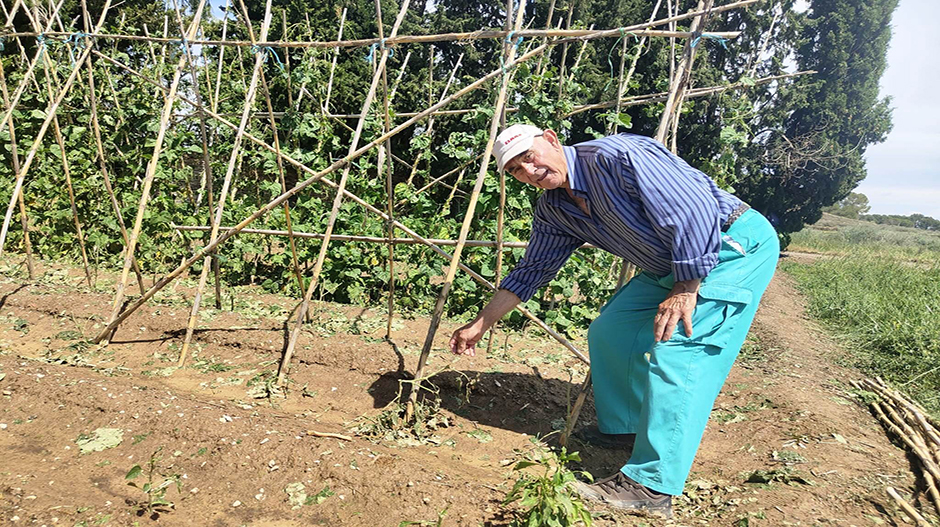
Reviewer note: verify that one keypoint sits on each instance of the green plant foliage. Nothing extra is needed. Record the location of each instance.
(726, 136)
(158, 482)
(546, 497)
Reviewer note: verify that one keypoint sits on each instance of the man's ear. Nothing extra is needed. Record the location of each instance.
(552, 138)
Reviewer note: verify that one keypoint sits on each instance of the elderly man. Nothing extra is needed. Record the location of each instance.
(706, 259)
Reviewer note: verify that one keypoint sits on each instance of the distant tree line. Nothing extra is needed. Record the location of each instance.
(918, 221)
(855, 205)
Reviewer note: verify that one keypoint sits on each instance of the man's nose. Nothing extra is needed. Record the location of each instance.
(528, 169)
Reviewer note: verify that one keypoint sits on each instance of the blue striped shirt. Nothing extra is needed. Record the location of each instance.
(646, 205)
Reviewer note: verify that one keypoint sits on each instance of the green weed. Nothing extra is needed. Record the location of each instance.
(546, 497)
(155, 489)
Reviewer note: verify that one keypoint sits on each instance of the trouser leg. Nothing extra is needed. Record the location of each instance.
(667, 398)
(618, 341)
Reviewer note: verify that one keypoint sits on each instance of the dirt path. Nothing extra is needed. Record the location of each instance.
(784, 415)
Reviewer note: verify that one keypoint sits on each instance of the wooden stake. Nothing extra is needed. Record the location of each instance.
(102, 164)
(338, 200)
(385, 151)
(464, 229)
(218, 76)
(229, 172)
(329, 85)
(148, 178)
(911, 511)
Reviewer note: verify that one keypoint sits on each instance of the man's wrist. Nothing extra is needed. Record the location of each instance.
(687, 286)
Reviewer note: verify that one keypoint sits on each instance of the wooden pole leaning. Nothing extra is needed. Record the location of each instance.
(24, 221)
(385, 154)
(329, 84)
(229, 173)
(148, 177)
(314, 175)
(464, 228)
(204, 140)
(683, 74)
(102, 164)
(51, 110)
(338, 200)
(283, 181)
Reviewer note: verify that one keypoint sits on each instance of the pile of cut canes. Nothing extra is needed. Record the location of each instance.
(917, 429)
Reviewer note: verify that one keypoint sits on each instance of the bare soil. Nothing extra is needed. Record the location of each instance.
(785, 414)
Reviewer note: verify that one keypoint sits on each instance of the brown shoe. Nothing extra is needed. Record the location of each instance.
(621, 492)
(592, 435)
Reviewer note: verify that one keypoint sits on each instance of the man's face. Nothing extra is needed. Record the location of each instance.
(541, 166)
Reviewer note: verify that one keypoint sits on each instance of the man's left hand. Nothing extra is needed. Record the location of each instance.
(679, 305)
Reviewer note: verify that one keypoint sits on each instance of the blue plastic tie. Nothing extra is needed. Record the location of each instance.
(268, 51)
(378, 45)
(76, 41)
(721, 40)
(41, 39)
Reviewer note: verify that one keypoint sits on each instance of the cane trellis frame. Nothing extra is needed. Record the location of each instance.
(542, 39)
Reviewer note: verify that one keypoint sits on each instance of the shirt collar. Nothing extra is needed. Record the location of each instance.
(575, 177)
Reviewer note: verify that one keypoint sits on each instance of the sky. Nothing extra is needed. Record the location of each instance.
(904, 171)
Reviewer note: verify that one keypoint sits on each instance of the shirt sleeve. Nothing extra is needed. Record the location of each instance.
(678, 202)
(549, 249)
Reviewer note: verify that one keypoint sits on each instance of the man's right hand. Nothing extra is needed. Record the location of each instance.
(464, 340)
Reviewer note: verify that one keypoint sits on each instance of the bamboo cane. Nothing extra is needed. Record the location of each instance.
(150, 173)
(500, 215)
(625, 102)
(337, 202)
(315, 176)
(329, 85)
(673, 106)
(911, 511)
(290, 90)
(385, 151)
(565, 36)
(401, 72)
(30, 70)
(218, 75)
(24, 221)
(204, 141)
(449, 173)
(102, 164)
(57, 132)
(548, 25)
(564, 52)
(366, 239)
(229, 173)
(928, 464)
(37, 142)
(465, 227)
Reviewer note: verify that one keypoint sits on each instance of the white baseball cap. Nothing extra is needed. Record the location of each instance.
(513, 141)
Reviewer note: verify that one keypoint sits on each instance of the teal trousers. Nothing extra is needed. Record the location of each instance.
(664, 392)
